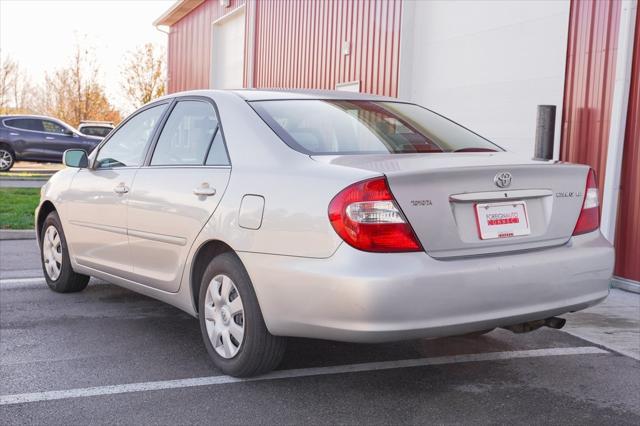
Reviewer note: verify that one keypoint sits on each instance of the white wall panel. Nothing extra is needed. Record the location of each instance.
(486, 64)
(227, 56)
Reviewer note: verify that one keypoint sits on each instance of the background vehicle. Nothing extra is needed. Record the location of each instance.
(95, 128)
(40, 139)
(344, 217)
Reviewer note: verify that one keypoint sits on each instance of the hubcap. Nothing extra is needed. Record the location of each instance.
(52, 252)
(224, 316)
(5, 159)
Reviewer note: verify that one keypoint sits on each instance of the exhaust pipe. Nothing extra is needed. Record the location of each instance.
(525, 327)
(555, 322)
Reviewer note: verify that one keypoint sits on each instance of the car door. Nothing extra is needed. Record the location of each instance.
(174, 195)
(57, 139)
(96, 202)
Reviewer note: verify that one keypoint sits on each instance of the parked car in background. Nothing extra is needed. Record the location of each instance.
(39, 139)
(345, 216)
(95, 128)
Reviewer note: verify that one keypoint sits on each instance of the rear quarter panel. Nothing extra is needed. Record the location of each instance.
(297, 190)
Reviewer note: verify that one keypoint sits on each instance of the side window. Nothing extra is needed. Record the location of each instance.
(217, 154)
(127, 146)
(186, 136)
(25, 124)
(51, 127)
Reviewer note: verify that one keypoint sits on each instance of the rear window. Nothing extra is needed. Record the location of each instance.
(366, 127)
(100, 131)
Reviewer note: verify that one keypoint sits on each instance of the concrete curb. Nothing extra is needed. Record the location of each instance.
(25, 183)
(19, 234)
(627, 285)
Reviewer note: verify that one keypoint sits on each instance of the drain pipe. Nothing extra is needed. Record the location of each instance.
(611, 190)
(166, 71)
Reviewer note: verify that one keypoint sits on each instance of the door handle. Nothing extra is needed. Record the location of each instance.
(204, 190)
(121, 189)
(50, 138)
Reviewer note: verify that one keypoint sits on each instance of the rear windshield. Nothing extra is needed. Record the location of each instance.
(96, 130)
(366, 127)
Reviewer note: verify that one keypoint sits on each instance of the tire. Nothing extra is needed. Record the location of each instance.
(56, 263)
(7, 158)
(257, 351)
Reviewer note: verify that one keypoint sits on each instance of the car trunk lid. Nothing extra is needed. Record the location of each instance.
(441, 194)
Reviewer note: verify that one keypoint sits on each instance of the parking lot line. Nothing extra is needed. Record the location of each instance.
(11, 283)
(287, 374)
(604, 344)
(28, 283)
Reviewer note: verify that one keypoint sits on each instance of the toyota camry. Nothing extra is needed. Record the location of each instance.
(330, 215)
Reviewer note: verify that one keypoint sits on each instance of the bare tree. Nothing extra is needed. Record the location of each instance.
(16, 89)
(73, 93)
(8, 71)
(143, 74)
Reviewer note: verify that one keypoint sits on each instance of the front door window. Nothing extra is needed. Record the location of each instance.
(127, 146)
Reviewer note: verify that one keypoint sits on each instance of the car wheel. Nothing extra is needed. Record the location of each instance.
(231, 322)
(6, 159)
(56, 264)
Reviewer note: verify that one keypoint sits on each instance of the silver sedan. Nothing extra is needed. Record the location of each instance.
(327, 215)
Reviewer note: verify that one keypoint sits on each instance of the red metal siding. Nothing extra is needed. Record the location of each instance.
(628, 230)
(298, 44)
(591, 56)
(189, 59)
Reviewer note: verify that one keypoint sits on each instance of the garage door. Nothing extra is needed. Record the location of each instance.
(227, 65)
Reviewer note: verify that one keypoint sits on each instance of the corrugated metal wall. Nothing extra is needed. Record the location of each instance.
(189, 53)
(298, 44)
(591, 58)
(628, 230)
(586, 119)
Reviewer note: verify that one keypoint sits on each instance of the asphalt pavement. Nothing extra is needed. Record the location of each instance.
(21, 183)
(108, 355)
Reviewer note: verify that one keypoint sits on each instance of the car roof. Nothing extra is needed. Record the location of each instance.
(3, 117)
(281, 94)
(284, 94)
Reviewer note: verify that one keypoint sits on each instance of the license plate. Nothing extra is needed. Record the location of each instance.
(502, 220)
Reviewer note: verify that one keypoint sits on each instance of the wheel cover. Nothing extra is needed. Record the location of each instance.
(52, 252)
(224, 316)
(5, 159)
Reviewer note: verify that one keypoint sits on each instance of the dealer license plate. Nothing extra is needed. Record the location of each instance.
(502, 220)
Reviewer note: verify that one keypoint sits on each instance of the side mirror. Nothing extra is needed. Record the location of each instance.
(67, 132)
(75, 158)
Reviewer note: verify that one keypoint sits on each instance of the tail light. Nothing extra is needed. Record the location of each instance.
(366, 216)
(589, 219)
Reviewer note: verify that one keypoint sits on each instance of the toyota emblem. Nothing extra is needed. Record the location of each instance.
(502, 179)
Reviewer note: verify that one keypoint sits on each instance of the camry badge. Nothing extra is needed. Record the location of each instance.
(502, 179)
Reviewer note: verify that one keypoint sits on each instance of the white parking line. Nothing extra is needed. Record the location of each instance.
(21, 280)
(287, 374)
(33, 282)
(602, 343)
(12, 283)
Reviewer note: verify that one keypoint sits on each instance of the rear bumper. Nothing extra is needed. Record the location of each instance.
(368, 297)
